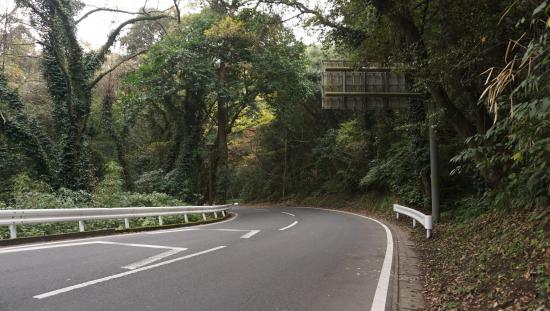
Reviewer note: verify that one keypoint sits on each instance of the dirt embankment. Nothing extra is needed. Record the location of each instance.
(498, 261)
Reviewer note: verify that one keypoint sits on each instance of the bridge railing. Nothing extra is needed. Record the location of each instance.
(425, 220)
(12, 218)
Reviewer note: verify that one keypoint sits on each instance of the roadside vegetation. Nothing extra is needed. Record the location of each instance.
(225, 104)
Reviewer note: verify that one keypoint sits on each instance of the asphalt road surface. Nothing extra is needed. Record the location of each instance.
(261, 259)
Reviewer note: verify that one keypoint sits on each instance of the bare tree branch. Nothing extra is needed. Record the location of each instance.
(83, 17)
(303, 9)
(321, 19)
(113, 68)
(112, 37)
(7, 15)
(33, 8)
(178, 13)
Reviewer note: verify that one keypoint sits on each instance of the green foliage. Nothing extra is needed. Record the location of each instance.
(31, 194)
(110, 192)
(28, 193)
(169, 91)
(518, 144)
(189, 79)
(396, 174)
(340, 153)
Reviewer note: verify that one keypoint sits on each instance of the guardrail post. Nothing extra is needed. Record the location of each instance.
(428, 233)
(185, 218)
(396, 215)
(414, 223)
(161, 223)
(13, 231)
(204, 216)
(81, 226)
(126, 223)
(216, 215)
(223, 214)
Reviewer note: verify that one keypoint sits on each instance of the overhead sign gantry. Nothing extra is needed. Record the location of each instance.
(348, 86)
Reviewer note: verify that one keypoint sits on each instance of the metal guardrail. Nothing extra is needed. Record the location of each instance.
(15, 217)
(425, 220)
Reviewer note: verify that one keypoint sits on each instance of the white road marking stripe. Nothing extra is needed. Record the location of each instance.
(245, 236)
(140, 245)
(228, 230)
(289, 214)
(24, 249)
(192, 228)
(249, 234)
(144, 262)
(120, 275)
(381, 293)
(85, 243)
(289, 226)
(170, 231)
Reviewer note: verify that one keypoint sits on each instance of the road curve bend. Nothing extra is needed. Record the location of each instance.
(261, 259)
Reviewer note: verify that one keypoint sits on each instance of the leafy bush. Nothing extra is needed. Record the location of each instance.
(340, 155)
(110, 192)
(33, 194)
(395, 174)
(515, 152)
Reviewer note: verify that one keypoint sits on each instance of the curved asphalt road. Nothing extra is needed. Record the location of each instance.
(264, 259)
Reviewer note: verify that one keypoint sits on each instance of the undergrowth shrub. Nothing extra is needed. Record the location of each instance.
(28, 193)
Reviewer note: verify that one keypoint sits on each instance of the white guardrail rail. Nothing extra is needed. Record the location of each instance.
(425, 220)
(15, 217)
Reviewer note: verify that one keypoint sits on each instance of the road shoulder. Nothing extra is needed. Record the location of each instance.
(408, 281)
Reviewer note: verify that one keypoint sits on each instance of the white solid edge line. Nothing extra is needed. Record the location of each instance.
(381, 293)
(289, 226)
(289, 214)
(119, 275)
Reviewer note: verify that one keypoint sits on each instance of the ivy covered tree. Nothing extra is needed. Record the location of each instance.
(70, 74)
(169, 92)
(212, 69)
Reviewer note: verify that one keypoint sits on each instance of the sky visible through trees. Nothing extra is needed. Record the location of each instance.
(95, 29)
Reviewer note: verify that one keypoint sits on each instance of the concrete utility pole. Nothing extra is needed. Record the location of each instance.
(434, 172)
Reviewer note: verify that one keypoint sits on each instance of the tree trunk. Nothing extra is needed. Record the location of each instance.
(222, 158)
(189, 160)
(108, 101)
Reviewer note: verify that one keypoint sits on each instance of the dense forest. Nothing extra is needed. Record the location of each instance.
(224, 104)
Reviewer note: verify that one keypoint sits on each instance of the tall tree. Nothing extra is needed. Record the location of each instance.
(70, 74)
(446, 45)
(256, 58)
